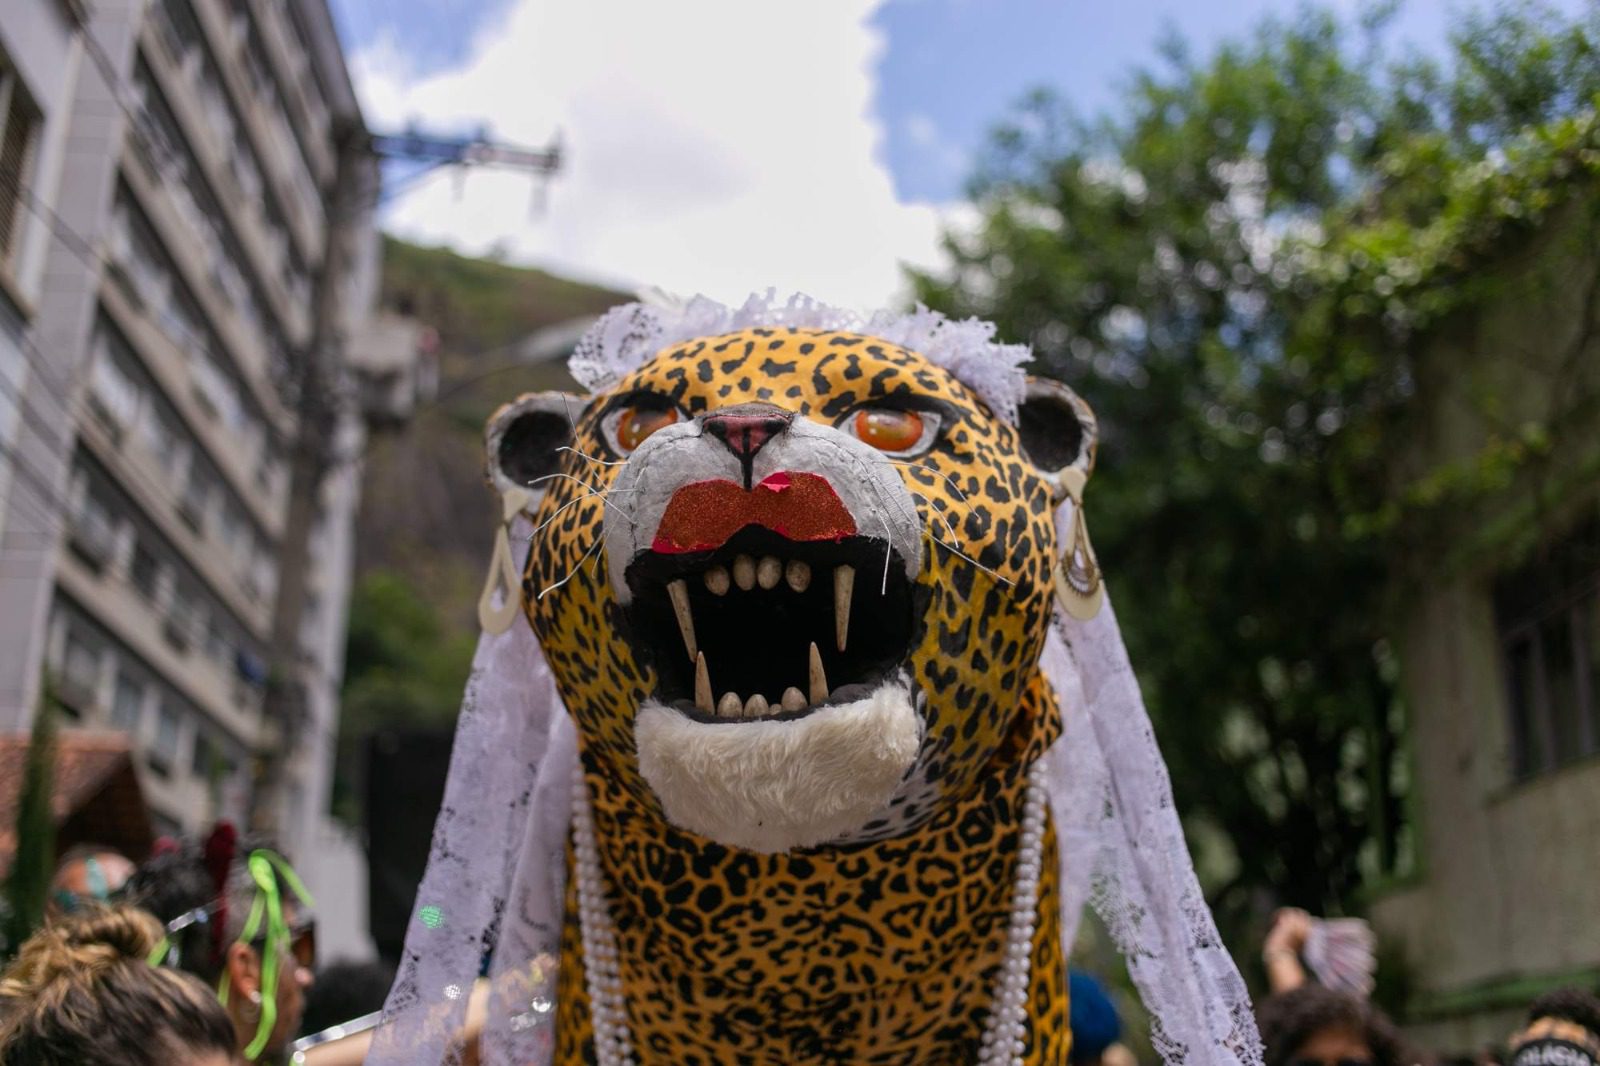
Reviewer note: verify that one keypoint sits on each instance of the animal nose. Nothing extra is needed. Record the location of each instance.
(746, 428)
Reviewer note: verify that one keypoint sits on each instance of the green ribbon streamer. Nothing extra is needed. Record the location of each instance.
(266, 868)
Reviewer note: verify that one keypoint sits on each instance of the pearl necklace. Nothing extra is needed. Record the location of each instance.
(1004, 1033)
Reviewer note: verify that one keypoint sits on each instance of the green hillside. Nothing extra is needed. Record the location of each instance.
(426, 521)
(480, 304)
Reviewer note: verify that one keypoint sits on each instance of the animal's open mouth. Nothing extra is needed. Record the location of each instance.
(765, 627)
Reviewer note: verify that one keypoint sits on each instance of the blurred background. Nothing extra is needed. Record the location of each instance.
(1330, 276)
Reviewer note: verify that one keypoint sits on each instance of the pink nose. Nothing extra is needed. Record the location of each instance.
(746, 428)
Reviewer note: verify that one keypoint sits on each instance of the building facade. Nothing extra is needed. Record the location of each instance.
(168, 225)
(1499, 642)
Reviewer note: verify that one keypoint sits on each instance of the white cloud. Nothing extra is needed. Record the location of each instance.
(714, 146)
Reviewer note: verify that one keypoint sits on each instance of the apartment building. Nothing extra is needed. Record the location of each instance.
(1498, 634)
(171, 199)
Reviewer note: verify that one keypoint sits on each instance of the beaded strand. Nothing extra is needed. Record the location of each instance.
(1005, 1031)
(612, 1046)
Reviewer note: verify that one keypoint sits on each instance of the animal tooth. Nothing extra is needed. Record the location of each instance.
(755, 706)
(768, 572)
(819, 680)
(798, 574)
(744, 572)
(717, 580)
(731, 705)
(792, 700)
(702, 685)
(844, 586)
(679, 591)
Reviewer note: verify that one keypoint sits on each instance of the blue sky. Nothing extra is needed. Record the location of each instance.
(723, 145)
(949, 69)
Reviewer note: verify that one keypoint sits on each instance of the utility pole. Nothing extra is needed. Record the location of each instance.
(321, 398)
(419, 147)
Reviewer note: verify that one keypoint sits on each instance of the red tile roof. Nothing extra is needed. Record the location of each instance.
(96, 797)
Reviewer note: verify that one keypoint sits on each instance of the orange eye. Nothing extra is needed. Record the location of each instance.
(637, 423)
(887, 429)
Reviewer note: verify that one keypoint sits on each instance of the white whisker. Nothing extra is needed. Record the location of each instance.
(592, 459)
(575, 568)
(968, 558)
(551, 477)
(888, 551)
(938, 514)
(601, 496)
(932, 470)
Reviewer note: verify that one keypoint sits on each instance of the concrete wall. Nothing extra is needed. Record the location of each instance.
(56, 352)
(42, 41)
(1506, 901)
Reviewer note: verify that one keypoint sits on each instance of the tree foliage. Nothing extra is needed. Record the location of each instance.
(1231, 268)
(405, 667)
(28, 886)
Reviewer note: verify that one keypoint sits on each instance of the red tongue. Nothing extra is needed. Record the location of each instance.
(703, 515)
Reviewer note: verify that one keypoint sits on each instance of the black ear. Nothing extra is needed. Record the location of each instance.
(1058, 432)
(523, 440)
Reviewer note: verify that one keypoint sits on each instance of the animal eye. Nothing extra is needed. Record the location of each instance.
(893, 430)
(629, 426)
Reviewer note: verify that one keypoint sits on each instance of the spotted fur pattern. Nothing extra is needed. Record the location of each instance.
(879, 951)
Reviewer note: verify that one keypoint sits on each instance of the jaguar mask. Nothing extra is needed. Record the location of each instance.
(790, 740)
(793, 582)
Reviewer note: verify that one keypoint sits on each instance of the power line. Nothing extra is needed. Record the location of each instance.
(138, 479)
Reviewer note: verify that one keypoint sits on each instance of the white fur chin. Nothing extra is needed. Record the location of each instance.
(775, 786)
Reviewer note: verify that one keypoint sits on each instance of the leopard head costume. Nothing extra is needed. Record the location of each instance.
(799, 671)
(793, 584)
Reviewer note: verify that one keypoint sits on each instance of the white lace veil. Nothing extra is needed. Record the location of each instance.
(496, 873)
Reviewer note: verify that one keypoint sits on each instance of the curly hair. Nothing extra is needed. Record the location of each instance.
(1570, 1004)
(1290, 1019)
(82, 993)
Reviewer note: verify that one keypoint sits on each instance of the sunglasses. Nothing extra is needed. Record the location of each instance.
(169, 951)
(302, 944)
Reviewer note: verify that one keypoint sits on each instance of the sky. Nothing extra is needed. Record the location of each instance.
(725, 146)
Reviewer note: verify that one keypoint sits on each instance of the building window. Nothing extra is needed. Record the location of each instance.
(78, 683)
(94, 531)
(127, 705)
(1548, 616)
(163, 752)
(115, 389)
(183, 619)
(145, 572)
(198, 490)
(19, 126)
(204, 758)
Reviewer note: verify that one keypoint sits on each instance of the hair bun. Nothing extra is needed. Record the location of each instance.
(127, 932)
(82, 947)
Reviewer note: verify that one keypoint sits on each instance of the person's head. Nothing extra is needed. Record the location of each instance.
(86, 875)
(345, 991)
(1092, 1017)
(1563, 1026)
(1315, 1026)
(82, 992)
(1573, 1004)
(242, 923)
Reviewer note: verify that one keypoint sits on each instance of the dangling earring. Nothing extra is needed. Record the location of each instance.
(503, 576)
(1079, 588)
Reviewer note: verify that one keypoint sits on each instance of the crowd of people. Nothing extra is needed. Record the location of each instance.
(206, 956)
(202, 956)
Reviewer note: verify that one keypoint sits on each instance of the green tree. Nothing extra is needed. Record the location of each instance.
(1230, 268)
(28, 886)
(404, 668)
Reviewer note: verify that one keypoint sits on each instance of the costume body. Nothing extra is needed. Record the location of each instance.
(794, 583)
